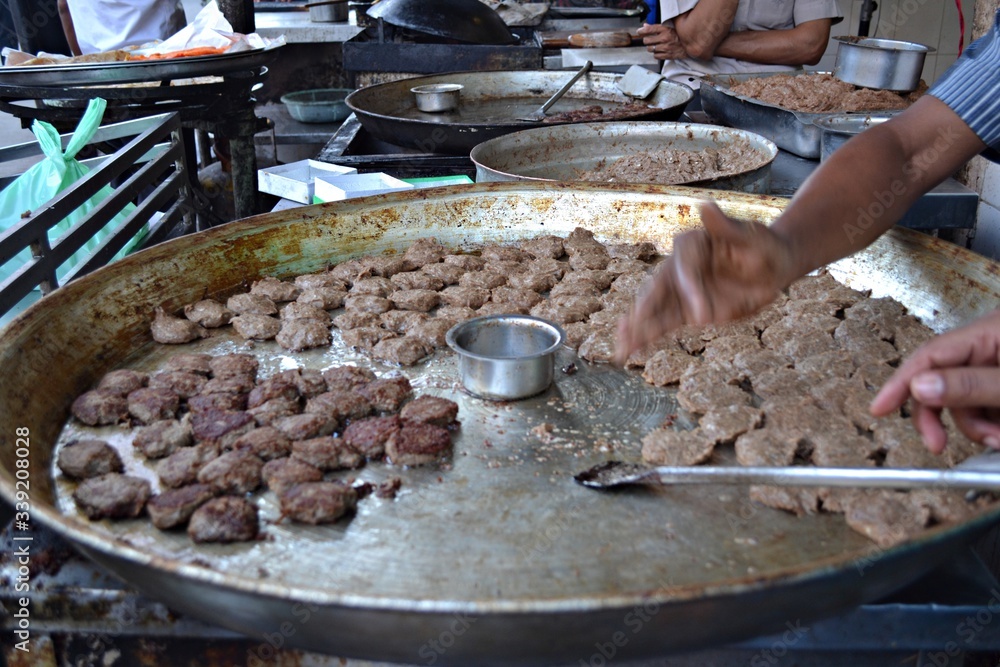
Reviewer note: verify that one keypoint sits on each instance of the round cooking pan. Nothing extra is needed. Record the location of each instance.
(465, 20)
(491, 102)
(501, 558)
(568, 152)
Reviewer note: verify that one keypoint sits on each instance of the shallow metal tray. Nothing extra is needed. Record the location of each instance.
(501, 558)
(792, 130)
(86, 74)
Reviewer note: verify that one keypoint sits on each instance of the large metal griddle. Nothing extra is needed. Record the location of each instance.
(134, 71)
(491, 103)
(500, 559)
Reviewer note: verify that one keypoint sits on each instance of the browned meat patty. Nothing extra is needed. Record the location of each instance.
(217, 401)
(112, 496)
(124, 381)
(727, 422)
(368, 436)
(265, 442)
(618, 266)
(163, 438)
(314, 280)
(275, 290)
(643, 356)
(303, 311)
(617, 302)
(365, 338)
(485, 279)
(599, 347)
(298, 335)
(449, 274)
(544, 246)
(387, 394)
(390, 266)
(581, 239)
(766, 447)
(605, 318)
(797, 501)
(549, 266)
(327, 453)
(348, 272)
(536, 281)
(470, 297)
(432, 332)
(404, 351)
(267, 412)
(455, 314)
(518, 297)
(491, 308)
(873, 375)
(99, 407)
(235, 472)
(416, 280)
(228, 365)
(753, 362)
(725, 348)
(780, 383)
(667, 447)
(465, 262)
(841, 449)
(149, 405)
(367, 303)
(416, 299)
(401, 321)
(425, 251)
(182, 466)
(183, 383)
(430, 410)
(173, 508)
(702, 389)
(341, 404)
(577, 332)
(575, 287)
(208, 313)
(903, 445)
(256, 327)
(282, 474)
(88, 458)
(577, 303)
(883, 315)
(835, 363)
(354, 319)
(225, 519)
(171, 330)
(863, 345)
(306, 425)
(824, 287)
(629, 283)
(347, 377)
(251, 304)
(325, 298)
(187, 362)
(909, 336)
(374, 286)
(271, 388)
(494, 253)
(309, 381)
(417, 444)
(600, 279)
(220, 427)
(317, 502)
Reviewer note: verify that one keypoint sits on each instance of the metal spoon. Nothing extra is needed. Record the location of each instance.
(539, 114)
(977, 472)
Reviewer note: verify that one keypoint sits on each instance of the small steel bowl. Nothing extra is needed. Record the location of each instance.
(886, 64)
(328, 11)
(437, 97)
(506, 357)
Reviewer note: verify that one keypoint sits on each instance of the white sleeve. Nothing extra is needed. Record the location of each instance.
(671, 8)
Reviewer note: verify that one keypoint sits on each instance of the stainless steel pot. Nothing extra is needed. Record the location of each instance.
(565, 152)
(437, 97)
(329, 11)
(506, 357)
(880, 63)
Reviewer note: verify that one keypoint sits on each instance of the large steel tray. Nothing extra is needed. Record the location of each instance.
(500, 559)
(792, 130)
(93, 74)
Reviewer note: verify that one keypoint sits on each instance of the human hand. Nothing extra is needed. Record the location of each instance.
(727, 270)
(958, 371)
(662, 41)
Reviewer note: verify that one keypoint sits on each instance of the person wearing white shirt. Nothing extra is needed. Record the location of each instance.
(93, 26)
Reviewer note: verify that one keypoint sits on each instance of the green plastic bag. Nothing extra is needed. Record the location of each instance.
(48, 178)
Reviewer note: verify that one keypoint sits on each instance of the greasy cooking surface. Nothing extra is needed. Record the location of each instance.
(506, 529)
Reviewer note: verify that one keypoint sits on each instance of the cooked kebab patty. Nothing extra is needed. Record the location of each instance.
(368, 436)
(430, 410)
(174, 507)
(112, 496)
(282, 474)
(224, 519)
(88, 458)
(317, 502)
(417, 444)
(163, 438)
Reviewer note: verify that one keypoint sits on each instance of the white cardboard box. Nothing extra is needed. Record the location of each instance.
(295, 180)
(337, 188)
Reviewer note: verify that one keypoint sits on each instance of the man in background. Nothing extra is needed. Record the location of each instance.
(92, 26)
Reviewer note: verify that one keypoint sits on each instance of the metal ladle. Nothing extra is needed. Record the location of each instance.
(539, 114)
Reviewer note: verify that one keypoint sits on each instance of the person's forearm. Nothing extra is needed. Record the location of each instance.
(802, 45)
(868, 184)
(70, 31)
(705, 27)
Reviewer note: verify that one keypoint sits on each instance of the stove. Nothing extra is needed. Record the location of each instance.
(80, 615)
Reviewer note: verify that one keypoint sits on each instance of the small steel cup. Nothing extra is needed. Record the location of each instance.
(506, 357)
(437, 97)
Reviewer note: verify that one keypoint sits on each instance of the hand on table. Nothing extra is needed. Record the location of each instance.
(725, 271)
(661, 40)
(958, 371)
